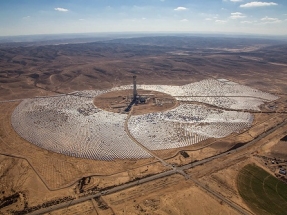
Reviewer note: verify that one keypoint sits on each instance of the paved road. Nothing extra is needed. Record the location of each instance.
(261, 136)
(179, 170)
(105, 192)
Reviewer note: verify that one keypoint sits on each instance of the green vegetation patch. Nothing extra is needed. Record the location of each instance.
(262, 192)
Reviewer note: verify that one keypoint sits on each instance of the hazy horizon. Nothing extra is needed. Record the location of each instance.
(153, 16)
(68, 38)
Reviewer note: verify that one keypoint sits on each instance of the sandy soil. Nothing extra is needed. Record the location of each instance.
(40, 176)
(172, 195)
(117, 101)
(58, 171)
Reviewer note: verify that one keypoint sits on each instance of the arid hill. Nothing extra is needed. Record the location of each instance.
(38, 70)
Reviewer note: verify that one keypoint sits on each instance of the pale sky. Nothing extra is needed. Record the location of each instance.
(24, 17)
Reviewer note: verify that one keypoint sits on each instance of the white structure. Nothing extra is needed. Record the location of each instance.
(186, 125)
(225, 94)
(72, 125)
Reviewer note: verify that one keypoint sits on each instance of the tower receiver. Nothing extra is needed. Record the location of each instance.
(135, 87)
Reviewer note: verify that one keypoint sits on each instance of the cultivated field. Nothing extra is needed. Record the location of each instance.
(261, 191)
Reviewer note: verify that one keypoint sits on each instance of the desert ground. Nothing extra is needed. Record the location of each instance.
(202, 178)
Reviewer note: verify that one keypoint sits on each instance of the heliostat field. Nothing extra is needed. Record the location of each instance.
(72, 125)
